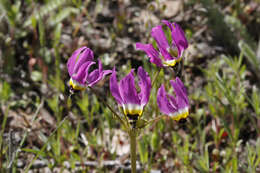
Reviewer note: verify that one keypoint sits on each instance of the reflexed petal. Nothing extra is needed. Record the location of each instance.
(73, 59)
(166, 55)
(106, 72)
(158, 34)
(163, 103)
(82, 73)
(178, 37)
(100, 77)
(173, 101)
(127, 89)
(181, 93)
(151, 53)
(145, 85)
(181, 102)
(162, 43)
(114, 88)
(180, 89)
(169, 24)
(183, 88)
(86, 55)
(95, 75)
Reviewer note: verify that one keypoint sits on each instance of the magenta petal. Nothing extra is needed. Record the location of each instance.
(169, 24)
(95, 75)
(181, 93)
(178, 37)
(181, 102)
(159, 36)
(145, 85)
(86, 55)
(181, 85)
(127, 89)
(106, 72)
(73, 59)
(151, 53)
(163, 102)
(114, 88)
(162, 43)
(82, 73)
(173, 101)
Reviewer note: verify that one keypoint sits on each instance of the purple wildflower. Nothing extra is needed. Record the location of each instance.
(177, 107)
(78, 67)
(125, 93)
(167, 55)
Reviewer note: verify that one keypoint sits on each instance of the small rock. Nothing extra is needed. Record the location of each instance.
(172, 8)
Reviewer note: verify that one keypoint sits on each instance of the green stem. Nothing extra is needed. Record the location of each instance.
(155, 76)
(109, 107)
(155, 119)
(132, 135)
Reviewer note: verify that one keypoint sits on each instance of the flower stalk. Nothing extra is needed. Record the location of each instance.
(109, 107)
(156, 75)
(132, 135)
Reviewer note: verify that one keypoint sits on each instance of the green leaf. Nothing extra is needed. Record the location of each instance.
(57, 35)
(143, 149)
(35, 151)
(5, 91)
(256, 100)
(155, 142)
(41, 32)
(250, 55)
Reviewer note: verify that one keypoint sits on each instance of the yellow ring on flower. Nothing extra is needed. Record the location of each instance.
(171, 62)
(76, 86)
(181, 115)
(133, 112)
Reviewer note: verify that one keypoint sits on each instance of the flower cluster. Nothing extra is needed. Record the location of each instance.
(129, 98)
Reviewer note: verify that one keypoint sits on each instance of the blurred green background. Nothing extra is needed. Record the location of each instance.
(43, 129)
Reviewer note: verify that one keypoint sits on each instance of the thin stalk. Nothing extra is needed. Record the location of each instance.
(156, 75)
(109, 107)
(155, 119)
(1, 136)
(132, 135)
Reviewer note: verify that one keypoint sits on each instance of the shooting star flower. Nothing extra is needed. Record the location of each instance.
(78, 67)
(176, 107)
(168, 54)
(126, 95)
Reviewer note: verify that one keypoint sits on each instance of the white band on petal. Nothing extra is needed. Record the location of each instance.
(132, 109)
